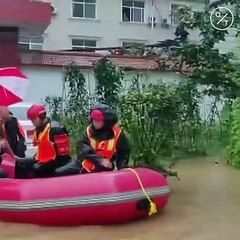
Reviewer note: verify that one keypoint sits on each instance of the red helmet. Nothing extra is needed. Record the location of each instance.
(35, 111)
(97, 115)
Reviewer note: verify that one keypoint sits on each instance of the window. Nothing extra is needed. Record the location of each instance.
(84, 9)
(133, 44)
(82, 43)
(174, 19)
(30, 43)
(132, 11)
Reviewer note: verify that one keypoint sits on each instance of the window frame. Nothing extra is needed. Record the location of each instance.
(84, 9)
(31, 42)
(84, 40)
(133, 7)
(132, 42)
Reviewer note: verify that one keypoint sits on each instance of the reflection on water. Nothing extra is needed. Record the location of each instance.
(204, 205)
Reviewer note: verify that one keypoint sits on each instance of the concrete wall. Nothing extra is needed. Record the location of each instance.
(49, 82)
(43, 82)
(46, 81)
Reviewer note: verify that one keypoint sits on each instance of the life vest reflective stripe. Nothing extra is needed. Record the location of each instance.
(20, 128)
(34, 139)
(105, 149)
(45, 148)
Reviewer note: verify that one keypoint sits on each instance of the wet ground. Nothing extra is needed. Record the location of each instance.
(204, 205)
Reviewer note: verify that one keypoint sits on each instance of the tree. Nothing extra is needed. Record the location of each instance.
(210, 67)
(75, 95)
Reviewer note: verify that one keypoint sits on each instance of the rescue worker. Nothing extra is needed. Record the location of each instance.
(103, 142)
(53, 145)
(13, 132)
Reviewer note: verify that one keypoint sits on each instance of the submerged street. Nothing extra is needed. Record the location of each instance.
(204, 205)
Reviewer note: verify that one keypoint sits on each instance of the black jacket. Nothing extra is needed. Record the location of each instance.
(122, 149)
(15, 138)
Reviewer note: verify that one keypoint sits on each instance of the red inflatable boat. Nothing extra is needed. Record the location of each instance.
(91, 199)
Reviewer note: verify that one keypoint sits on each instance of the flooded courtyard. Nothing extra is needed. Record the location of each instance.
(204, 205)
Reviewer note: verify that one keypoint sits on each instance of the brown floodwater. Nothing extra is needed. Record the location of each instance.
(204, 205)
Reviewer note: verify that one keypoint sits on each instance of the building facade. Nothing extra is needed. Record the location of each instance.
(107, 23)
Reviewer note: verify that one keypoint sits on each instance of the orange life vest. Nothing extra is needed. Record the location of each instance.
(48, 150)
(21, 130)
(105, 149)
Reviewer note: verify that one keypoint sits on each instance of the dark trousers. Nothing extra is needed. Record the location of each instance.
(47, 169)
(30, 167)
(19, 148)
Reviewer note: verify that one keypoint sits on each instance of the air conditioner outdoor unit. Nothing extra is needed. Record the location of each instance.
(165, 23)
(152, 21)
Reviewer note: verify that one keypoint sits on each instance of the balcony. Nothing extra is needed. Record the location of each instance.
(27, 15)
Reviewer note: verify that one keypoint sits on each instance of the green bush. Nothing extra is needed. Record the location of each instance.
(234, 143)
(54, 107)
(144, 117)
(75, 130)
(156, 121)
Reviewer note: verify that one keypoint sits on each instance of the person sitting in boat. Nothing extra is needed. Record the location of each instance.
(13, 132)
(103, 142)
(53, 144)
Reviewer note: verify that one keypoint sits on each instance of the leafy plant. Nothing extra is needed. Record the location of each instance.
(234, 144)
(108, 82)
(54, 107)
(160, 122)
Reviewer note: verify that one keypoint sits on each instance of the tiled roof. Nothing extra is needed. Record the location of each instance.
(131, 62)
(89, 59)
